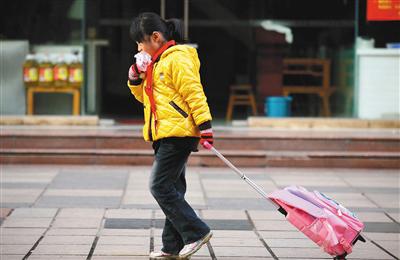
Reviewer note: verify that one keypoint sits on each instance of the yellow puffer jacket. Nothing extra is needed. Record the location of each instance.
(181, 105)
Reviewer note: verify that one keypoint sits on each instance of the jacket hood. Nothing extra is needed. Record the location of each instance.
(189, 50)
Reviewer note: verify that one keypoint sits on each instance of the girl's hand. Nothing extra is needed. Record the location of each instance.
(143, 59)
(206, 136)
(139, 67)
(134, 75)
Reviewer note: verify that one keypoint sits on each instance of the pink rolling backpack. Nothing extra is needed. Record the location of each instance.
(330, 225)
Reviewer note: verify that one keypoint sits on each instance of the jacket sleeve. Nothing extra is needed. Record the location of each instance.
(186, 79)
(137, 90)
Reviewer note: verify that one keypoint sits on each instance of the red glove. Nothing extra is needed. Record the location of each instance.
(134, 75)
(141, 61)
(206, 136)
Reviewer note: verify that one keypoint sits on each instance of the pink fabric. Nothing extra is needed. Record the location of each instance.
(324, 221)
(207, 145)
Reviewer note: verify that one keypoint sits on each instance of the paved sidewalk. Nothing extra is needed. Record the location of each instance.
(107, 212)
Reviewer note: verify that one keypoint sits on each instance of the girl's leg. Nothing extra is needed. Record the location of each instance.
(170, 161)
(172, 240)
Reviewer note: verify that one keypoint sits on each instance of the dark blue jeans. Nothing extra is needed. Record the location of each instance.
(168, 187)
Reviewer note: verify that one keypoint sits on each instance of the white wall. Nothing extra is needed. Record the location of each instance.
(12, 89)
(378, 83)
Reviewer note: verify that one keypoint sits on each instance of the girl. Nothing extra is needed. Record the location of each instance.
(165, 78)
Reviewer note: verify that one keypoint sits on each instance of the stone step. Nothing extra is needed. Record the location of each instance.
(357, 141)
(255, 158)
(322, 123)
(49, 120)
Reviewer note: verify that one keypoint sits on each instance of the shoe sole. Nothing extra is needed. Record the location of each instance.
(171, 258)
(164, 258)
(205, 241)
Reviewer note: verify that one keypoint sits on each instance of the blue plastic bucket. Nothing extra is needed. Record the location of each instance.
(277, 106)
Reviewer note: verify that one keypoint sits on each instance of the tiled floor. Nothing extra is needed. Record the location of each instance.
(107, 212)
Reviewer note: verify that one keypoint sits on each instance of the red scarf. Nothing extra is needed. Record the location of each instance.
(149, 79)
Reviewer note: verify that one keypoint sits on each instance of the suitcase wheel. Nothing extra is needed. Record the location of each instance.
(340, 257)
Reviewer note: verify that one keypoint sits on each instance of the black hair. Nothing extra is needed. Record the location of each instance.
(147, 23)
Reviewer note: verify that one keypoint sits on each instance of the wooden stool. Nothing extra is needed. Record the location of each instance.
(30, 92)
(315, 68)
(240, 95)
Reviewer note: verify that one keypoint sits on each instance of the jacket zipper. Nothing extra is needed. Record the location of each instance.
(178, 109)
(150, 132)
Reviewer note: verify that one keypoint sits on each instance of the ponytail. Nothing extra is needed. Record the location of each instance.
(175, 30)
(147, 23)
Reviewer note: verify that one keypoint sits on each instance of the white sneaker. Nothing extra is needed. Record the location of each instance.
(192, 248)
(162, 255)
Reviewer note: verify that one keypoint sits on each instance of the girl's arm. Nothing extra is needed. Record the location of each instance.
(137, 90)
(135, 83)
(186, 79)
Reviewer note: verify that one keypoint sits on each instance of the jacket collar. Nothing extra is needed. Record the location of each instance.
(157, 55)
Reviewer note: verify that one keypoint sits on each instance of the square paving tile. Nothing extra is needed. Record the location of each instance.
(128, 213)
(241, 251)
(14, 249)
(67, 240)
(392, 246)
(89, 179)
(80, 213)
(78, 201)
(11, 231)
(77, 222)
(26, 222)
(123, 240)
(83, 192)
(373, 217)
(20, 195)
(234, 234)
(240, 242)
(266, 215)
(115, 250)
(245, 258)
(290, 242)
(16, 205)
(125, 232)
(369, 251)
(273, 225)
(134, 198)
(224, 214)
(386, 200)
(11, 257)
(229, 224)
(23, 185)
(34, 212)
(67, 231)
(241, 204)
(306, 253)
(51, 257)
(383, 236)
(121, 257)
(382, 227)
(44, 249)
(26, 178)
(18, 239)
(127, 223)
(281, 234)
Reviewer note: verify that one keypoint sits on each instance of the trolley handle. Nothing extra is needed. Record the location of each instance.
(257, 188)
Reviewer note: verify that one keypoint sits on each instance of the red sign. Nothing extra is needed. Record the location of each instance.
(383, 10)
